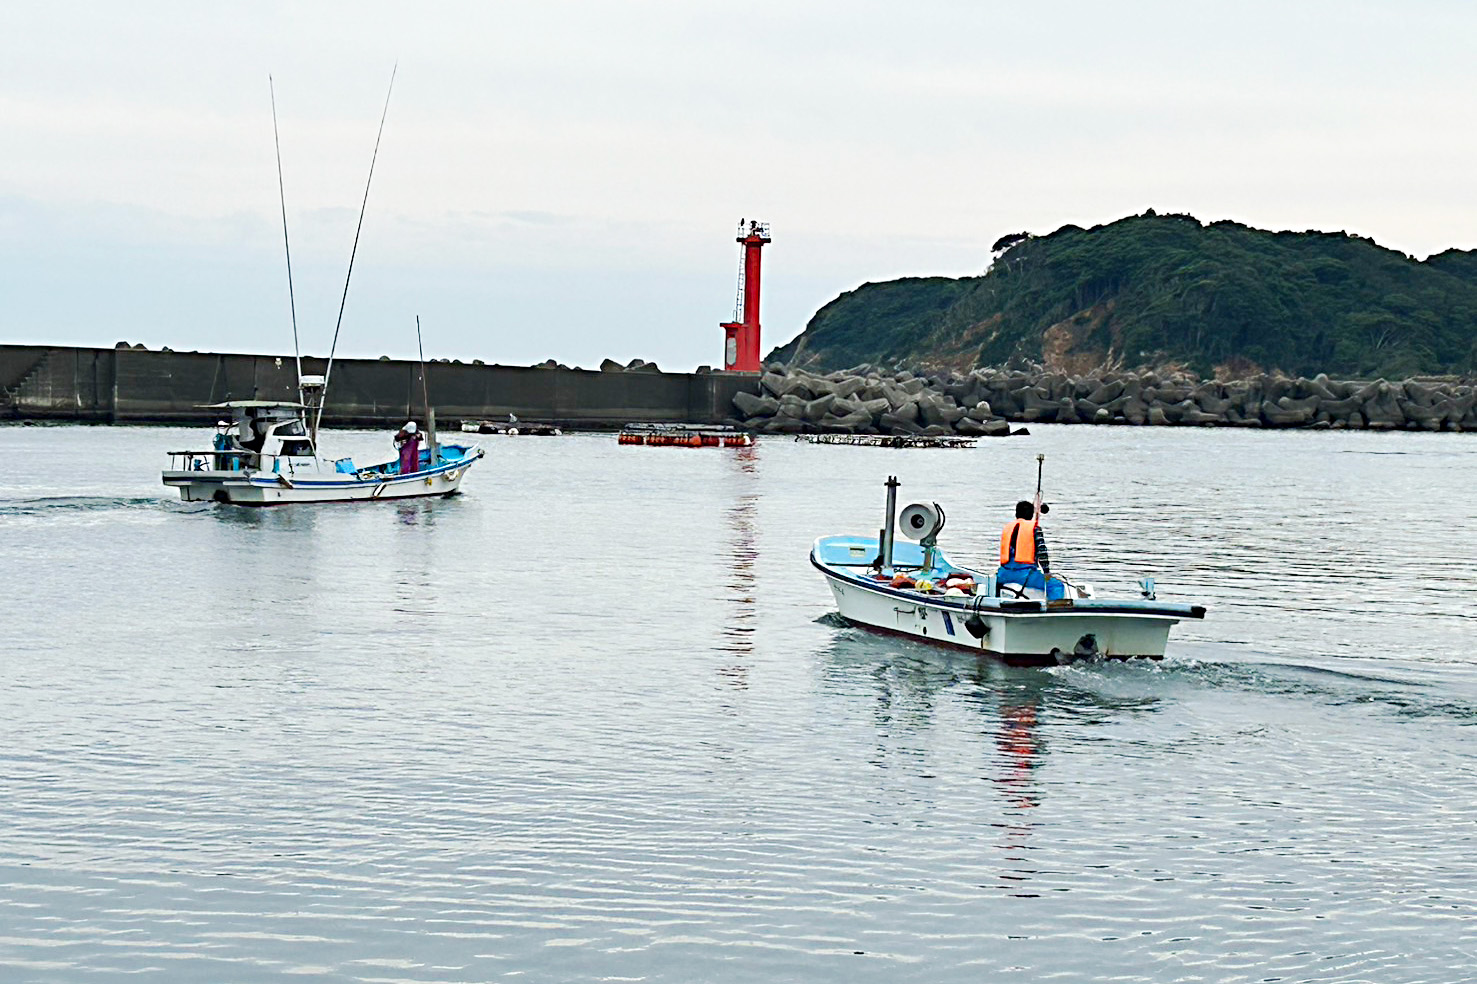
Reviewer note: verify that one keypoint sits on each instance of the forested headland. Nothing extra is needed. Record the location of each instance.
(1151, 290)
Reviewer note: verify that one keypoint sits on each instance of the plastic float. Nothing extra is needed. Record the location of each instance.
(915, 590)
(684, 436)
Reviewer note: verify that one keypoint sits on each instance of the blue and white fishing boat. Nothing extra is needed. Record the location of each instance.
(915, 590)
(267, 455)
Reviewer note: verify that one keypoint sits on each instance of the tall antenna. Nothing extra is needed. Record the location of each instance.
(364, 205)
(282, 197)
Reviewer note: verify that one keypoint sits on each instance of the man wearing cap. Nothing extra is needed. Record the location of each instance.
(408, 440)
(1024, 560)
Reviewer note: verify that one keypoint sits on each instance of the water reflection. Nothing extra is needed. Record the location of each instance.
(742, 520)
(931, 704)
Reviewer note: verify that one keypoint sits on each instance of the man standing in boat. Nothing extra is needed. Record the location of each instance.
(408, 440)
(1024, 559)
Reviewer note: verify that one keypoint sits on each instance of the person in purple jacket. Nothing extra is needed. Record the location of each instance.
(408, 440)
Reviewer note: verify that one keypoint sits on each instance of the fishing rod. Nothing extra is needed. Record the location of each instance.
(354, 251)
(286, 248)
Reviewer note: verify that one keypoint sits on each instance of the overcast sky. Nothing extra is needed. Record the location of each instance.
(563, 179)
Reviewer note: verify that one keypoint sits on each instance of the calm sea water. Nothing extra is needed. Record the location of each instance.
(592, 721)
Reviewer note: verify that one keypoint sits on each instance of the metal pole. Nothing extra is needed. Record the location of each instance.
(1040, 461)
(426, 394)
(888, 531)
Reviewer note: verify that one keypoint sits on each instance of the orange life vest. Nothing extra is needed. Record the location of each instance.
(1018, 542)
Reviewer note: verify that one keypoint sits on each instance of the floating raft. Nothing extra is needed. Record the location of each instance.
(510, 429)
(685, 436)
(889, 440)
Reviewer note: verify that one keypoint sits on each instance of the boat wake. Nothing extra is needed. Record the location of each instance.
(1331, 686)
(58, 505)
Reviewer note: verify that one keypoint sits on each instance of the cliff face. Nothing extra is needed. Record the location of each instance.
(1167, 290)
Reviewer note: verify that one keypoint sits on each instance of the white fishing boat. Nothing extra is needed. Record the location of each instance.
(915, 590)
(267, 455)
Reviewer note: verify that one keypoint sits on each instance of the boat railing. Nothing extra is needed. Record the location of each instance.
(231, 459)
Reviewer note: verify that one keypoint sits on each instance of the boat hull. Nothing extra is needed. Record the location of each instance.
(1031, 633)
(271, 489)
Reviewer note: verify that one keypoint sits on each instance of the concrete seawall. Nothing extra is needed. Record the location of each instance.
(126, 385)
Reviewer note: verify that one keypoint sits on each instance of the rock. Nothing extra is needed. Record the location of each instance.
(890, 423)
(610, 365)
(819, 407)
(971, 427)
(782, 424)
(781, 385)
(818, 386)
(1276, 416)
(793, 406)
(849, 423)
(980, 411)
(1036, 407)
(1209, 400)
(1340, 408)
(937, 411)
(756, 406)
(1310, 404)
(907, 412)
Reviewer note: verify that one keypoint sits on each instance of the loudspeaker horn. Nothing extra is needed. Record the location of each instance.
(921, 520)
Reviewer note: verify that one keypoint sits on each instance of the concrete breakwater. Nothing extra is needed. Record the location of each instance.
(986, 401)
(136, 385)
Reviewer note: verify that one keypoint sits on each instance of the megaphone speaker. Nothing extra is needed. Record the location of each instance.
(919, 520)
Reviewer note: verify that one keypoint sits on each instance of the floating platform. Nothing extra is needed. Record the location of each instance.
(512, 429)
(685, 436)
(889, 440)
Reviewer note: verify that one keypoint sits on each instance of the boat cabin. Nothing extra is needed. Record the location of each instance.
(262, 435)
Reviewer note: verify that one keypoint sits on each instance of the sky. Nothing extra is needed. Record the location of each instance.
(564, 179)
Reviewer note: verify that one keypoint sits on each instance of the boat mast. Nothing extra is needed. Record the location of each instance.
(282, 198)
(426, 393)
(328, 370)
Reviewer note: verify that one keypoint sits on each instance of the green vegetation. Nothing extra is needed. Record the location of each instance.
(1159, 289)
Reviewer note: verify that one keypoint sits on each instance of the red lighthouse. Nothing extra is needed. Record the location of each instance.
(741, 335)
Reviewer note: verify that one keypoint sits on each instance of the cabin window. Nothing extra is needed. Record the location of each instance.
(296, 449)
(293, 428)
